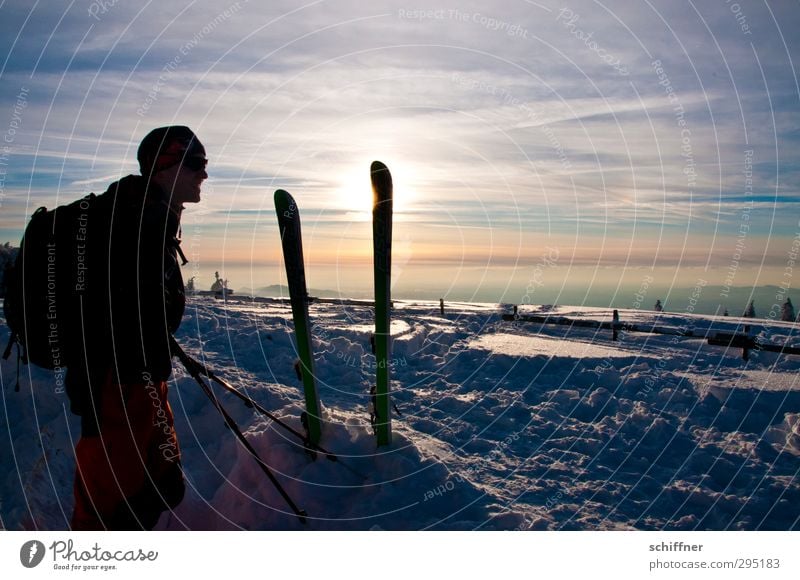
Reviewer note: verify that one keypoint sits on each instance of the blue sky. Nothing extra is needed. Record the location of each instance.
(540, 149)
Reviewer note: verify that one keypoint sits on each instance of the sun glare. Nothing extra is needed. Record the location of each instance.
(354, 192)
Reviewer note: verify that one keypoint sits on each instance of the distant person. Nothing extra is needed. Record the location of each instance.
(128, 460)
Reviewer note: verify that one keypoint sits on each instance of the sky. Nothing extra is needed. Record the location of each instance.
(572, 152)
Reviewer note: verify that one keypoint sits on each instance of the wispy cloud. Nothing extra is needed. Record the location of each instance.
(626, 134)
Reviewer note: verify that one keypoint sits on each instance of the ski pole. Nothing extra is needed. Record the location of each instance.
(301, 514)
(193, 365)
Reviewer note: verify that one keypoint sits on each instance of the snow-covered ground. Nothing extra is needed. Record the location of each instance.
(504, 425)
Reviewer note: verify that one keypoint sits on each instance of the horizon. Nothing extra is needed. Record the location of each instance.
(539, 151)
(701, 300)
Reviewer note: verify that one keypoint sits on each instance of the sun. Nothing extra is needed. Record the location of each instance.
(353, 192)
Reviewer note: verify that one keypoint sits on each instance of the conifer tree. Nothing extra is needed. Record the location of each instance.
(787, 311)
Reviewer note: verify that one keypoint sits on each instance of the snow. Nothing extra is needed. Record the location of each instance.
(504, 425)
(526, 346)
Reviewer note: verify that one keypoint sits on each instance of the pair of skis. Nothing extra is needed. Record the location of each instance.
(292, 243)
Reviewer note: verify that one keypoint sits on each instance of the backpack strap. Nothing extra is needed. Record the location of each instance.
(21, 356)
(177, 244)
(22, 353)
(11, 341)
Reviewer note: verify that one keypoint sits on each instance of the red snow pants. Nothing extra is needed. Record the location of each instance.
(130, 472)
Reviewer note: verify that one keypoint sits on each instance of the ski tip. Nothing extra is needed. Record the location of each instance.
(286, 208)
(380, 176)
(282, 194)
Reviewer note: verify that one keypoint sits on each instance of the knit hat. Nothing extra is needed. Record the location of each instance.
(167, 146)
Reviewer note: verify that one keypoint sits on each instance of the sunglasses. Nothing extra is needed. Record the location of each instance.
(195, 163)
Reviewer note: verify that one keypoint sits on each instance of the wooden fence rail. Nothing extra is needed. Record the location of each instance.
(724, 339)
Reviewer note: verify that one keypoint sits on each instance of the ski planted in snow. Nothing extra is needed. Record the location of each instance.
(292, 242)
(382, 252)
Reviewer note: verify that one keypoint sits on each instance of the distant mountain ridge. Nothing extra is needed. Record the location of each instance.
(709, 300)
(281, 291)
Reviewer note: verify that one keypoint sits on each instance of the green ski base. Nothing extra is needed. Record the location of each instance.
(382, 252)
(292, 243)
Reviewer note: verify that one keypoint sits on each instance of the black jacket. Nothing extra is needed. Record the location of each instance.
(137, 296)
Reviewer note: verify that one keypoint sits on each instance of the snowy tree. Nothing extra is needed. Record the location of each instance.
(787, 312)
(219, 284)
(190, 286)
(7, 256)
(750, 311)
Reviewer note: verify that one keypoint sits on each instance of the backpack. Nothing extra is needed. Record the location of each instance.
(48, 285)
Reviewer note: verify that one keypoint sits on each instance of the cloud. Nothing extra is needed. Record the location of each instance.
(504, 120)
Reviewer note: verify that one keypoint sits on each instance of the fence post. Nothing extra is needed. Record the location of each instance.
(745, 351)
